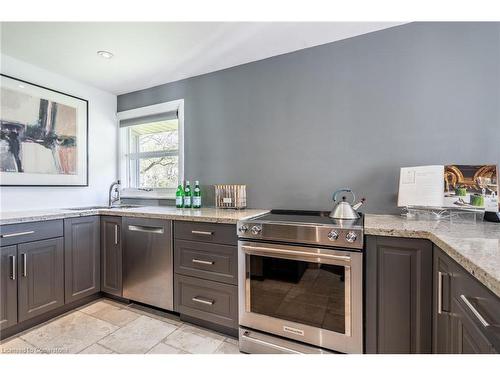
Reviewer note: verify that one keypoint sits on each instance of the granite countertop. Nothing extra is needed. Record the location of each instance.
(476, 247)
(210, 215)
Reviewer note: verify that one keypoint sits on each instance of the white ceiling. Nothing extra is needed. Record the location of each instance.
(149, 54)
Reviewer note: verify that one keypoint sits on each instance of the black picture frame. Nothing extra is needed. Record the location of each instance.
(86, 173)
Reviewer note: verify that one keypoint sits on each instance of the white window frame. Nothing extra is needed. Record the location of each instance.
(124, 144)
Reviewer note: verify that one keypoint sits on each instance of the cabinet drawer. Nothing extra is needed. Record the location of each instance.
(26, 232)
(467, 338)
(207, 300)
(471, 288)
(206, 232)
(480, 305)
(207, 261)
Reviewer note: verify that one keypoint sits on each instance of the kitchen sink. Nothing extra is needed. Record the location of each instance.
(124, 206)
(102, 207)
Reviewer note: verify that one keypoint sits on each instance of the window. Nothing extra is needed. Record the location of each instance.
(151, 150)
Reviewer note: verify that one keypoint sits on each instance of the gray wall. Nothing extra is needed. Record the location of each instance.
(350, 113)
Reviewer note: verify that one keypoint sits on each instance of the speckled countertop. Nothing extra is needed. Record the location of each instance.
(211, 215)
(476, 247)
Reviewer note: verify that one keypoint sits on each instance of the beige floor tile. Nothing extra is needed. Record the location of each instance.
(95, 307)
(227, 348)
(155, 314)
(106, 326)
(232, 340)
(18, 346)
(115, 315)
(69, 334)
(96, 349)
(184, 338)
(139, 336)
(186, 327)
(162, 348)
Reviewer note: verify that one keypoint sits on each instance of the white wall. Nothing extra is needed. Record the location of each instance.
(102, 144)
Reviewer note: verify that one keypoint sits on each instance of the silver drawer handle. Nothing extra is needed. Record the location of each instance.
(140, 228)
(199, 261)
(13, 265)
(116, 234)
(17, 234)
(203, 300)
(474, 311)
(25, 264)
(203, 233)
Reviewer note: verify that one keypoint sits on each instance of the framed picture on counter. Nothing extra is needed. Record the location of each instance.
(43, 136)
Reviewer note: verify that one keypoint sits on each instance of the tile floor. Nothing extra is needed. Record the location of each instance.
(108, 327)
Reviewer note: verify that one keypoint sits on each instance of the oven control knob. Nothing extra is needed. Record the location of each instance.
(351, 237)
(256, 229)
(333, 235)
(243, 229)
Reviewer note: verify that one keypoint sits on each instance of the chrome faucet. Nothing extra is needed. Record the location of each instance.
(114, 188)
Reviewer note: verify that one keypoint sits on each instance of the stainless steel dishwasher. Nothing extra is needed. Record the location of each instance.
(148, 262)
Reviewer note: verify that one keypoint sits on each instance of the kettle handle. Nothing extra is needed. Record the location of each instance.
(346, 190)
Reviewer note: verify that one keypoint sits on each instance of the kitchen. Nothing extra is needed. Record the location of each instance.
(254, 194)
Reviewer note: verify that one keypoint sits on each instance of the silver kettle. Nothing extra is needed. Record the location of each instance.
(344, 210)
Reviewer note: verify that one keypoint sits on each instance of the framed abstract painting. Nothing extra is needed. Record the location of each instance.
(43, 136)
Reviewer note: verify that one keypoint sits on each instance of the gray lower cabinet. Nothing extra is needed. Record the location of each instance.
(205, 278)
(466, 313)
(207, 300)
(8, 286)
(111, 255)
(206, 232)
(14, 234)
(466, 337)
(82, 257)
(40, 272)
(442, 296)
(206, 261)
(398, 295)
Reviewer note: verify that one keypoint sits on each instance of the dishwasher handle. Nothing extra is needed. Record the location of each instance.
(146, 229)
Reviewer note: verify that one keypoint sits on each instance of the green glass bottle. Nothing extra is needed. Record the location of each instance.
(179, 196)
(196, 195)
(187, 196)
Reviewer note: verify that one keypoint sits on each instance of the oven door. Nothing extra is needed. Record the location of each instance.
(307, 294)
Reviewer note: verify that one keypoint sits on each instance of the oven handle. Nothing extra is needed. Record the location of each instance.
(261, 250)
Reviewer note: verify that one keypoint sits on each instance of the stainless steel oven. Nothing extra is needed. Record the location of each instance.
(309, 294)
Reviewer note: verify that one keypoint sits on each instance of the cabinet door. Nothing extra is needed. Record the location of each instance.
(398, 295)
(8, 286)
(82, 257)
(442, 286)
(40, 271)
(466, 313)
(111, 255)
(466, 338)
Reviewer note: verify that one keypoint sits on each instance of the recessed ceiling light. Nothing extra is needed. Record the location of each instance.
(21, 86)
(105, 54)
